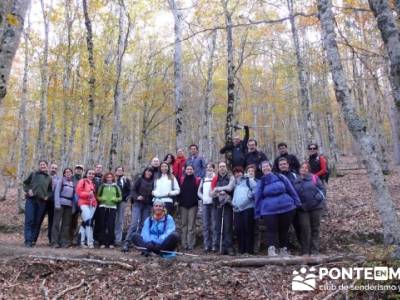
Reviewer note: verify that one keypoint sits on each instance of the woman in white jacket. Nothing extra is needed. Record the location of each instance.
(166, 187)
(208, 211)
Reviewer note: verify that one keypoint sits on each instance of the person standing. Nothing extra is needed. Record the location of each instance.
(170, 159)
(238, 148)
(243, 207)
(155, 166)
(196, 161)
(275, 201)
(188, 204)
(318, 163)
(125, 186)
(254, 157)
(97, 181)
(166, 187)
(179, 164)
(73, 232)
(222, 191)
(38, 189)
(63, 201)
(294, 164)
(109, 195)
(284, 169)
(158, 233)
(86, 191)
(208, 211)
(312, 194)
(141, 197)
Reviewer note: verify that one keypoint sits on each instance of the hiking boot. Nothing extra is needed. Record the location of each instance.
(283, 251)
(125, 247)
(91, 246)
(28, 244)
(231, 252)
(272, 251)
(102, 246)
(83, 246)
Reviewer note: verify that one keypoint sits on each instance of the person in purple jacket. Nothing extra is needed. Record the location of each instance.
(275, 202)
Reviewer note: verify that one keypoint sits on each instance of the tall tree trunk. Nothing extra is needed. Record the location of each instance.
(23, 132)
(303, 81)
(44, 86)
(123, 36)
(93, 133)
(231, 81)
(207, 95)
(12, 16)
(178, 90)
(391, 38)
(358, 127)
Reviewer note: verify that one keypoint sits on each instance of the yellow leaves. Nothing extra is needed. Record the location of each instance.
(12, 20)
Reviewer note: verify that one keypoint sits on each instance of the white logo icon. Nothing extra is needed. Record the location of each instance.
(304, 280)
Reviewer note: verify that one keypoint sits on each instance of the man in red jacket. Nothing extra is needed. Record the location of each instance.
(318, 163)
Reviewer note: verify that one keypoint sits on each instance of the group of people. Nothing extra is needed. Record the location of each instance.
(234, 201)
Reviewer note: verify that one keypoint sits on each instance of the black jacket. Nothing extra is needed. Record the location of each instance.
(142, 187)
(256, 158)
(125, 186)
(290, 175)
(188, 196)
(294, 163)
(239, 151)
(311, 192)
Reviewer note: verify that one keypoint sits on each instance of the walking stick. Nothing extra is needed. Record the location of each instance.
(222, 229)
(168, 252)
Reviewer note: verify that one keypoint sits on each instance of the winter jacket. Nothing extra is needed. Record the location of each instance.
(243, 195)
(290, 175)
(83, 189)
(156, 171)
(142, 187)
(157, 231)
(224, 183)
(318, 165)
(109, 195)
(54, 181)
(178, 166)
(188, 196)
(97, 181)
(164, 186)
(125, 186)
(40, 183)
(275, 195)
(198, 164)
(204, 191)
(256, 158)
(294, 163)
(64, 193)
(311, 191)
(239, 151)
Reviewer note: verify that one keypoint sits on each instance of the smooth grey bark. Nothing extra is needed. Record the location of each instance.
(123, 35)
(231, 80)
(304, 84)
(12, 16)
(178, 89)
(357, 127)
(94, 130)
(44, 86)
(391, 38)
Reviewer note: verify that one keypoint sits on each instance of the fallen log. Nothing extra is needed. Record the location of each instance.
(290, 260)
(87, 260)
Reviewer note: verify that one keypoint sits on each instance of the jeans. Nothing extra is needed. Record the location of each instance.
(277, 228)
(208, 218)
(49, 211)
(34, 210)
(244, 228)
(309, 222)
(169, 244)
(86, 230)
(140, 212)
(225, 212)
(61, 225)
(73, 229)
(106, 219)
(188, 222)
(119, 221)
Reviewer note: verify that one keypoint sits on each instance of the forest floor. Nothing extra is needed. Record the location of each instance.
(351, 227)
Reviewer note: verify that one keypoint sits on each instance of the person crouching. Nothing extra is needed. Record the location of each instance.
(158, 232)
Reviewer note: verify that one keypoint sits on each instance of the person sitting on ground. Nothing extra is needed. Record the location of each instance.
(158, 233)
(312, 195)
(294, 163)
(238, 148)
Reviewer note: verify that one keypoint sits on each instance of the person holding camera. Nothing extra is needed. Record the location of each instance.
(238, 147)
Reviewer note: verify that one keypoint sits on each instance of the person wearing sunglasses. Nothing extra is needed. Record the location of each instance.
(318, 162)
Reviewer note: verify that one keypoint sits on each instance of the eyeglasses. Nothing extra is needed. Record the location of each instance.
(312, 148)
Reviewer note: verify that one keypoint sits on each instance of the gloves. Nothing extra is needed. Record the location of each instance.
(153, 247)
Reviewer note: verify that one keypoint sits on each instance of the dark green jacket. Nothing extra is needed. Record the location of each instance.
(40, 184)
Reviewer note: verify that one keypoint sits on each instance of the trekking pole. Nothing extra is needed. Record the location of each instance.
(168, 252)
(222, 230)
